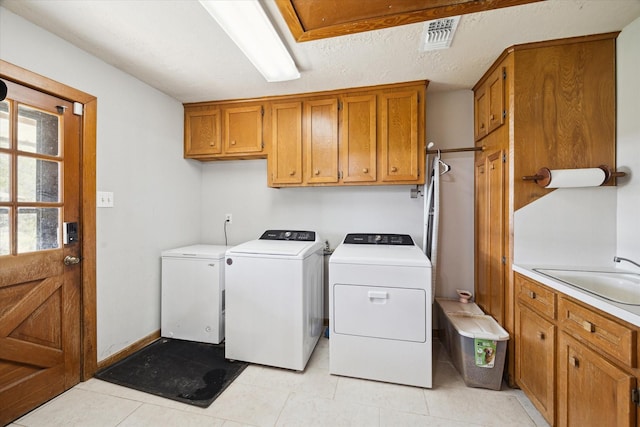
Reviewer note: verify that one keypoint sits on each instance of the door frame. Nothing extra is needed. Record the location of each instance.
(88, 320)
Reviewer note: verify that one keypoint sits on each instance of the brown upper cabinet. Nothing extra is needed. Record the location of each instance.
(360, 136)
(490, 110)
(364, 136)
(218, 131)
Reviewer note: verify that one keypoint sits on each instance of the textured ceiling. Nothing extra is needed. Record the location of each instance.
(176, 47)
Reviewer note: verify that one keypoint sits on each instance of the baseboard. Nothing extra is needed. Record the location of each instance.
(129, 350)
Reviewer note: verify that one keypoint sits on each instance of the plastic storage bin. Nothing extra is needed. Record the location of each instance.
(445, 327)
(476, 343)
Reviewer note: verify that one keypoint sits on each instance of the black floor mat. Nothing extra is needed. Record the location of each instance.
(189, 372)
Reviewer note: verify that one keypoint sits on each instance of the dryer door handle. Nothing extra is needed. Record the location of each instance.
(378, 295)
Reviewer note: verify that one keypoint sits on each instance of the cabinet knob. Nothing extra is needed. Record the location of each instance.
(588, 326)
(394, 169)
(316, 172)
(481, 125)
(532, 295)
(573, 361)
(492, 117)
(365, 170)
(212, 143)
(541, 335)
(233, 142)
(292, 173)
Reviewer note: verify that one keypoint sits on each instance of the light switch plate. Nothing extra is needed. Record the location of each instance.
(104, 199)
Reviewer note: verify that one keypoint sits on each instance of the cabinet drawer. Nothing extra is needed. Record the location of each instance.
(605, 335)
(536, 296)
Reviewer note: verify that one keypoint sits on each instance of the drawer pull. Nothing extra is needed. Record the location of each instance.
(365, 170)
(588, 326)
(394, 169)
(573, 361)
(492, 117)
(233, 142)
(316, 172)
(541, 335)
(532, 295)
(292, 173)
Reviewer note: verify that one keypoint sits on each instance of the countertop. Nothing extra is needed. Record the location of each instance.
(628, 313)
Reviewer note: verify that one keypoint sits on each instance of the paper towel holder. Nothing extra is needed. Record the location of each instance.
(543, 176)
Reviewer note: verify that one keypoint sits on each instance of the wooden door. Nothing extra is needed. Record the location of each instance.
(591, 390)
(495, 223)
(481, 104)
(39, 293)
(399, 136)
(321, 141)
(482, 232)
(202, 132)
(535, 367)
(243, 129)
(495, 85)
(285, 161)
(358, 142)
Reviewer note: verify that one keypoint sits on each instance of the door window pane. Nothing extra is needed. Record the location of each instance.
(38, 229)
(5, 235)
(38, 180)
(4, 124)
(5, 178)
(38, 132)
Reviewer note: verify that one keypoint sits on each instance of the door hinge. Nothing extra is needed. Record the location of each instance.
(78, 108)
(262, 111)
(635, 396)
(504, 74)
(504, 260)
(504, 157)
(504, 114)
(262, 145)
(339, 174)
(339, 105)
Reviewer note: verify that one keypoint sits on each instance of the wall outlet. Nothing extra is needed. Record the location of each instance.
(104, 199)
(228, 218)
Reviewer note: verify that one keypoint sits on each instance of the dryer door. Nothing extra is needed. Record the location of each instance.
(380, 312)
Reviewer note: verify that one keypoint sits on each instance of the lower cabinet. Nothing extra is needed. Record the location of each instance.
(577, 364)
(535, 372)
(591, 390)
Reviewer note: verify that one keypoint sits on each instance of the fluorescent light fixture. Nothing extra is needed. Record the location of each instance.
(249, 27)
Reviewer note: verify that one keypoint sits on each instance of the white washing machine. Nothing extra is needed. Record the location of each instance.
(380, 310)
(192, 303)
(274, 299)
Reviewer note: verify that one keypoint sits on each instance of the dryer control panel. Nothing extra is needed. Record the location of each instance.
(300, 236)
(379, 239)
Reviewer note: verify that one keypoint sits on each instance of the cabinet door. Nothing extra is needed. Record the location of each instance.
(285, 161)
(591, 390)
(399, 136)
(481, 103)
(495, 224)
(202, 132)
(495, 85)
(535, 367)
(243, 129)
(321, 141)
(358, 142)
(482, 234)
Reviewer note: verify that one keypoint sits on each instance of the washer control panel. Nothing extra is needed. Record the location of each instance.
(300, 236)
(379, 239)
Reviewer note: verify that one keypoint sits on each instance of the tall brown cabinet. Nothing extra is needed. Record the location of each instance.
(548, 104)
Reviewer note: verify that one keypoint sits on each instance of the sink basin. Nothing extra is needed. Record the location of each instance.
(621, 287)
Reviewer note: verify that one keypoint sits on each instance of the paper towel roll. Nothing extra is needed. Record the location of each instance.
(570, 178)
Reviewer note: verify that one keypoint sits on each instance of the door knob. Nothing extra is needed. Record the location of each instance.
(71, 260)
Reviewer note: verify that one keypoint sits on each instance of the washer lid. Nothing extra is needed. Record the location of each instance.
(380, 255)
(197, 251)
(287, 248)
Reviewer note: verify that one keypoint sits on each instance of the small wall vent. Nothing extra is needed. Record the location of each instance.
(438, 34)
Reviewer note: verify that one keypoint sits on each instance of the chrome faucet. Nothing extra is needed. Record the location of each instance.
(619, 258)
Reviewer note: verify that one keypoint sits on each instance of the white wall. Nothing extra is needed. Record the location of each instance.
(628, 132)
(588, 226)
(139, 158)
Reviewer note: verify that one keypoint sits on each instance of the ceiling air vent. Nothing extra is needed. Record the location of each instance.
(438, 34)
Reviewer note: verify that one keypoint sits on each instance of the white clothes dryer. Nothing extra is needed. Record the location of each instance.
(274, 295)
(380, 310)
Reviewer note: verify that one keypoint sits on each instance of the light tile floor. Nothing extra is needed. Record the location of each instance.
(263, 396)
